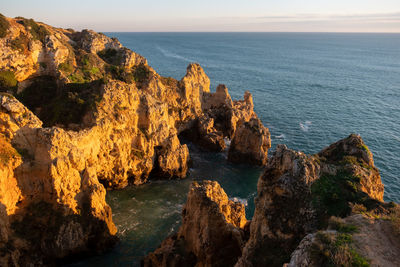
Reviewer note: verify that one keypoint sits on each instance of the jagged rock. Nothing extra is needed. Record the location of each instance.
(109, 120)
(172, 160)
(207, 136)
(298, 193)
(211, 233)
(250, 143)
(46, 189)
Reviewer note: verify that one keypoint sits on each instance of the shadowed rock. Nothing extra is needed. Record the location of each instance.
(211, 233)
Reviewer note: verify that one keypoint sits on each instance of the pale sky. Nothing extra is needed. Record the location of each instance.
(212, 15)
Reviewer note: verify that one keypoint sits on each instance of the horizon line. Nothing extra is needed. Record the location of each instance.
(245, 32)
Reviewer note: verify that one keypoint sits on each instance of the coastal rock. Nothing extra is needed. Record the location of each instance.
(85, 114)
(298, 193)
(172, 159)
(211, 233)
(46, 190)
(355, 240)
(209, 137)
(250, 143)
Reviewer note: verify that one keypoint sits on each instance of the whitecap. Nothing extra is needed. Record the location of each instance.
(281, 136)
(173, 55)
(305, 126)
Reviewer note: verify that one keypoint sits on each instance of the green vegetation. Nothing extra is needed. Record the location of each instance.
(20, 43)
(330, 249)
(141, 73)
(339, 225)
(66, 67)
(8, 82)
(111, 56)
(331, 195)
(4, 25)
(64, 104)
(364, 147)
(351, 160)
(38, 32)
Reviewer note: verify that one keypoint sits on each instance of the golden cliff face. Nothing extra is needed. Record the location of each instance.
(83, 113)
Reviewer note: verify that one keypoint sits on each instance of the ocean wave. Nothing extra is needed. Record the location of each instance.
(173, 55)
(305, 126)
(281, 136)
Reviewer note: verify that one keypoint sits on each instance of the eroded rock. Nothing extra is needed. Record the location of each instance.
(211, 233)
(298, 193)
(250, 143)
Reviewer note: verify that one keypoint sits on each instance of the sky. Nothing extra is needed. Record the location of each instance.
(212, 15)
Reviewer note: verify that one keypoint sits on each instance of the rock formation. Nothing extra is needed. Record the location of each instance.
(80, 113)
(250, 143)
(212, 231)
(297, 195)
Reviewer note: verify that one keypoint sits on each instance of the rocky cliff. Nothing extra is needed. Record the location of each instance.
(297, 196)
(212, 231)
(80, 113)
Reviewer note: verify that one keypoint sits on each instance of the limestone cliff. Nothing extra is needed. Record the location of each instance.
(84, 114)
(211, 233)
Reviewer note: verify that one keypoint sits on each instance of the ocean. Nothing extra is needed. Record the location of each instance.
(309, 89)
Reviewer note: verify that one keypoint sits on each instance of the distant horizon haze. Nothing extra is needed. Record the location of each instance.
(356, 16)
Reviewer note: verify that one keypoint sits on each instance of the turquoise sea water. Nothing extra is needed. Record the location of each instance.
(309, 89)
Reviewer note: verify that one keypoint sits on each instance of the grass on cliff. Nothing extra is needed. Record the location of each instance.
(38, 32)
(20, 43)
(331, 195)
(335, 249)
(8, 82)
(111, 56)
(4, 25)
(61, 105)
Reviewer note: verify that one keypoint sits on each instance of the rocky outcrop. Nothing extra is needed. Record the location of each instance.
(52, 206)
(211, 233)
(223, 119)
(85, 114)
(298, 193)
(250, 143)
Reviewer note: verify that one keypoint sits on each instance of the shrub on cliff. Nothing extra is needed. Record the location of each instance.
(38, 32)
(20, 43)
(7, 81)
(4, 25)
(110, 55)
(63, 104)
